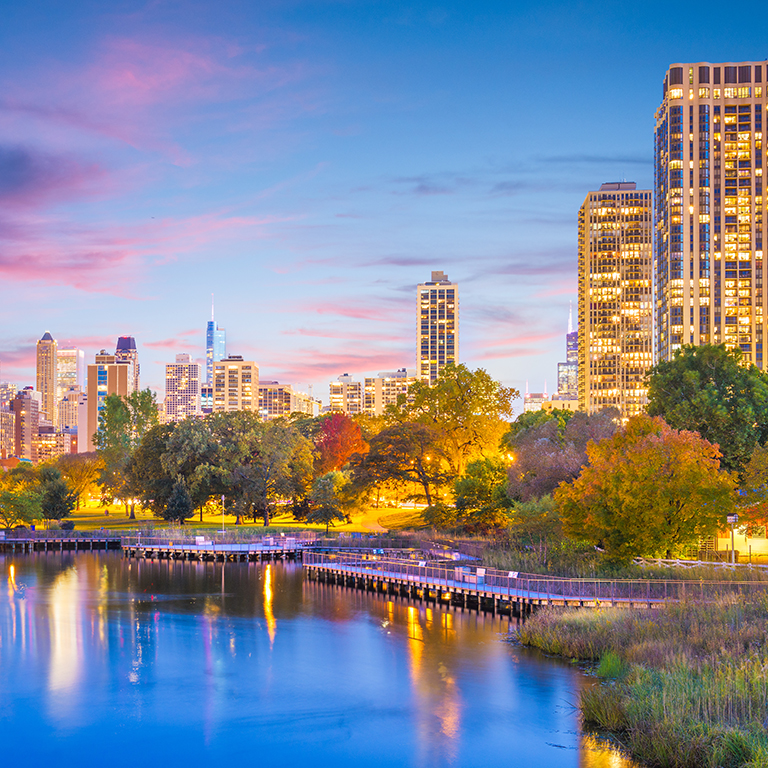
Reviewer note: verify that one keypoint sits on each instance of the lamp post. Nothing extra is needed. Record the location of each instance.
(222, 516)
(732, 520)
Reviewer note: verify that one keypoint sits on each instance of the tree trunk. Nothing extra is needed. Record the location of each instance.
(238, 519)
(201, 513)
(133, 513)
(265, 512)
(125, 504)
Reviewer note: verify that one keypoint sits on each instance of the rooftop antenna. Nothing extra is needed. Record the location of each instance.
(212, 318)
(570, 317)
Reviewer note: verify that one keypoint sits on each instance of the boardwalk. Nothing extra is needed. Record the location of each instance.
(202, 549)
(486, 588)
(58, 544)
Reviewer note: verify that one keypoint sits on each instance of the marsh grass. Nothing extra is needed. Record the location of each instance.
(686, 687)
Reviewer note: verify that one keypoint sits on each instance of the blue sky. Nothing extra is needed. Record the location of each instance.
(311, 162)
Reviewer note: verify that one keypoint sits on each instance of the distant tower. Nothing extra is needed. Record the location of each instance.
(568, 372)
(126, 352)
(46, 376)
(437, 329)
(215, 346)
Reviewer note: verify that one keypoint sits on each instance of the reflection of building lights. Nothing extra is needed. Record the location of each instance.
(268, 596)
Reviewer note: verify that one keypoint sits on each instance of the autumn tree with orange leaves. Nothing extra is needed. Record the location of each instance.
(337, 439)
(647, 491)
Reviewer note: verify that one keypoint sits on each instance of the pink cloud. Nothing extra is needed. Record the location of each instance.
(387, 312)
(311, 365)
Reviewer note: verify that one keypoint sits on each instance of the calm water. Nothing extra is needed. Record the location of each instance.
(109, 661)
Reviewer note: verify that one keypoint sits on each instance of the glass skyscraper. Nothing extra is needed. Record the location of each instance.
(215, 349)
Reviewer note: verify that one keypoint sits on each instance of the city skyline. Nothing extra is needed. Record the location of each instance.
(277, 157)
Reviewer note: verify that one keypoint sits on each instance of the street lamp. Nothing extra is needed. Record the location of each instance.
(732, 520)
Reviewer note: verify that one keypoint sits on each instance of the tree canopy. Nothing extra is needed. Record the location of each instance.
(646, 491)
(707, 389)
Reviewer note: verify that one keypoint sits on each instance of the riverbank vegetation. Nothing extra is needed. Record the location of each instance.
(683, 687)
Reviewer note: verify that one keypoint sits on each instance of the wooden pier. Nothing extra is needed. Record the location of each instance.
(58, 544)
(504, 591)
(211, 551)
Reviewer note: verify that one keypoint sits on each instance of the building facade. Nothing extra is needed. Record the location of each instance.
(106, 376)
(7, 432)
(277, 399)
(384, 389)
(437, 326)
(26, 408)
(46, 377)
(126, 353)
(182, 389)
(70, 370)
(615, 335)
(235, 385)
(345, 395)
(709, 208)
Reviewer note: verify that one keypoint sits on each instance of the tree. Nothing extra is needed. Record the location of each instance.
(330, 499)
(410, 452)
(647, 490)
(708, 389)
(179, 505)
(467, 408)
(552, 448)
(146, 477)
(337, 438)
(20, 496)
(482, 503)
(81, 472)
(56, 500)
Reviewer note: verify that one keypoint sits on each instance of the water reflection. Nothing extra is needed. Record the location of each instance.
(185, 660)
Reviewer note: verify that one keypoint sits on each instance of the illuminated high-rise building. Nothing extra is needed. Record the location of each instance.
(70, 370)
(235, 385)
(345, 395)
(26, 407)
(46, 377)
(709, 208)
(437, 329)
(276, 399)
(182, 389)
(215, 346)
(386, 388)
(615, 335)
(126, 353)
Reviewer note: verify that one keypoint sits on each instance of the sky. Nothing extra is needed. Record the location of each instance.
(310, 162)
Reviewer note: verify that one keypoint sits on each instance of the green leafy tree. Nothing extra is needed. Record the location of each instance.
(179, 506)
(81, 471)
(707, 389)
(646, 491)
(20, 496)
(56, 500)
(468, 409)
(331, 499)
(481, 500)
(146, 476)
(409, 452)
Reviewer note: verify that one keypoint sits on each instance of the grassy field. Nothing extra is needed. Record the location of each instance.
(94, 516)
(684, 687)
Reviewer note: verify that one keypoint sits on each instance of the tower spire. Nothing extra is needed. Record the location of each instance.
(570, 317)
(212, 317)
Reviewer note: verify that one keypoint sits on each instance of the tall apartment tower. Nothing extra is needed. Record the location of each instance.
(46, 376)
(709, 208)
(345, 395)
(215, 347)
(70, 370)
(235, 385)
(437, 326)
(182, 389)
(126, 353)
(615, 336)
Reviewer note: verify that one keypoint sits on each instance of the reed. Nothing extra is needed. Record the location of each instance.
(685, 687)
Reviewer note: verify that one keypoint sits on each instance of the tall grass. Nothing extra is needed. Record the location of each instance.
(687, 687)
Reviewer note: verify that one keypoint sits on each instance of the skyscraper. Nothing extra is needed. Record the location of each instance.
(615, 336)
(182, 389)
(345, 395)
(46, 377)
(568, 372)
(709, 208)
(26, 407)
(126, 353)
(215, 346)
(70, 370)
(437, 329)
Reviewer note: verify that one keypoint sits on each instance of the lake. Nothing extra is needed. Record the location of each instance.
(105, 660)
